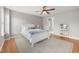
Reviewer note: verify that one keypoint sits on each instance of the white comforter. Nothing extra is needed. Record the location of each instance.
(35, 35)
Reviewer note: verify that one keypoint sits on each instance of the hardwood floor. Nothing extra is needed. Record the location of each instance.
(74, 41)
(9, 46)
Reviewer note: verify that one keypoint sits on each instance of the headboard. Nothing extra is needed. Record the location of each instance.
(26, 26)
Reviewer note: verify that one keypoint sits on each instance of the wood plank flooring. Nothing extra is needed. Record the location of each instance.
(74, 41)
(9, 46)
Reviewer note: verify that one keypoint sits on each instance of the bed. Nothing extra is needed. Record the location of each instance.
(34, 35)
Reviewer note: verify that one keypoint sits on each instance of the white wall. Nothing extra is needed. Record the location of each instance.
(17, 19)
(69, 17)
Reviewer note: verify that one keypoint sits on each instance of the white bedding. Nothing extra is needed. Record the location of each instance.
(35, 35)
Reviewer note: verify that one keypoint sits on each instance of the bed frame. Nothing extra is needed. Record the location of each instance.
(34, 38)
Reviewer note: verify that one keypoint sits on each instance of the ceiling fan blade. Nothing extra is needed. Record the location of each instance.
(44, 7)
(50, 9)
(47, 12)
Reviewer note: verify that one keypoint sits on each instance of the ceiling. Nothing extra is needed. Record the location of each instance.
(33, 9)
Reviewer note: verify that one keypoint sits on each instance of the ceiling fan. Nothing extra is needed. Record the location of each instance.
(46, 10)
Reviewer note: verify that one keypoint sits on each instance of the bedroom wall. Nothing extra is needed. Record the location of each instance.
(69, 17)
(17, 19)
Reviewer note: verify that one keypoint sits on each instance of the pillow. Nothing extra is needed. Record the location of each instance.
(31, 28)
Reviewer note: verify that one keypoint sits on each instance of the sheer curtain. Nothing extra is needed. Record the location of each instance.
(5, 22)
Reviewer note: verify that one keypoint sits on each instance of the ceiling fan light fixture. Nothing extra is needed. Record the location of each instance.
(46, 10)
